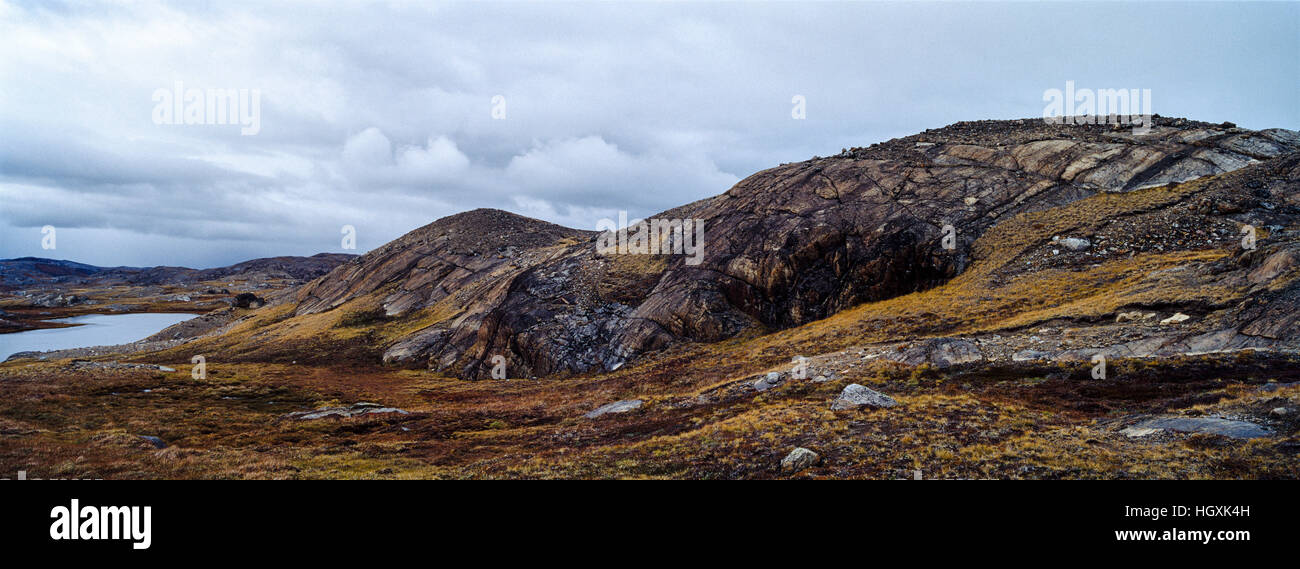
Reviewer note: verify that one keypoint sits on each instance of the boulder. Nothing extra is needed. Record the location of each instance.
(1030, 355)
(615, 407)
(1134, 316)
(248, 300)
(772, 379)
(855, 396)
(799, 459)
(1076, 244)
(1175, 319)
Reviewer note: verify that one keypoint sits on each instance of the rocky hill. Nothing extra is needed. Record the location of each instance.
(801, 242)
(32, 270)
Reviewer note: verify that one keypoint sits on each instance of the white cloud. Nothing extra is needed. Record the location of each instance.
(370, 160)
(439, 159)
(589, 170)
(368, 149)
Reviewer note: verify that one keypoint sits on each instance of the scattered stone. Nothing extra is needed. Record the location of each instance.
(1135, 432)
(615, 407)
(1207, 425)
(1280, 412)
(1029, 355)
(1076, 243)
(87, 364)
(855, 395)
(1175, 319)
(53, 300)
(799, 459)
(356, 410)
(772, 379)
(1134, 316)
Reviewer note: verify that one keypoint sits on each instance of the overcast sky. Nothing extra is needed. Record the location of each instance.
(380, 116)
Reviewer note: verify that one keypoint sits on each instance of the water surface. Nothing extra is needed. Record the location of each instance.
(94, 330)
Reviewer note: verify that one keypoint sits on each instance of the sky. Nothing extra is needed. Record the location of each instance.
(387, 116)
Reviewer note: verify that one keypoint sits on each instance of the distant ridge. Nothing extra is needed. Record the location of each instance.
(36, 271)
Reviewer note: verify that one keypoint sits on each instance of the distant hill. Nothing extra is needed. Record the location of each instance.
(36, 272)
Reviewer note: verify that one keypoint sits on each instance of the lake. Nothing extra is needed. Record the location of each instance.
(94, 330)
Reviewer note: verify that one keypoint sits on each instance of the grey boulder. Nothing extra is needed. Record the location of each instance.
(615, 407)
(799, 459)
(855, 396)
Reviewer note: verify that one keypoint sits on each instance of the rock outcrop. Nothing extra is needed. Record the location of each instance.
(785, 246)
(355, 411)
(1206, 425)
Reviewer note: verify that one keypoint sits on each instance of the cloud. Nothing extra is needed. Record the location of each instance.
(590, 171)
(371, 161)
(564, 181)
(379, 115)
